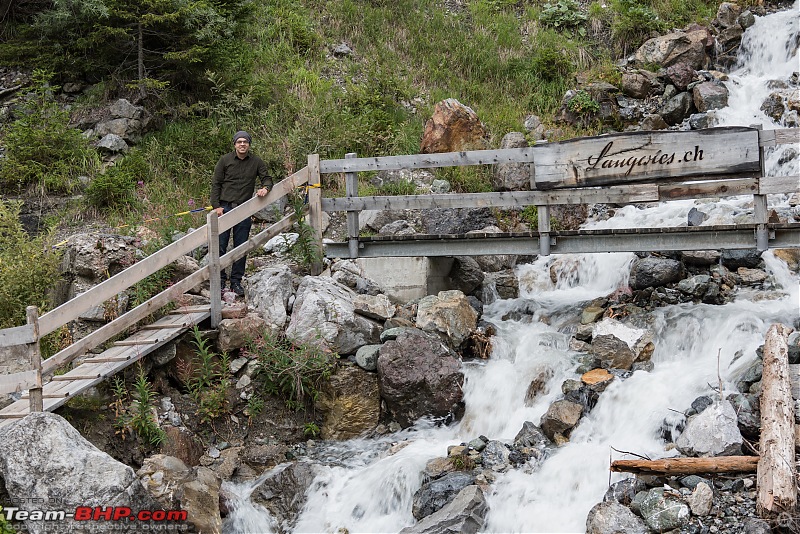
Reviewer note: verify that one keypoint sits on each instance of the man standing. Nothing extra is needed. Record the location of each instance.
(233, 183)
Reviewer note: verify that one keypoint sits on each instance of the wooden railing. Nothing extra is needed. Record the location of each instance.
(38, 327)
(716, 162)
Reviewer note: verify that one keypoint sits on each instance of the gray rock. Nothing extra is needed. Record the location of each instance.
(434, 495)
(464, 515)
(43, 459)
(612, 518)
(324, 314)
(654, 272)
(663, 511)
(419, 376)
(367, 357)
(714, 432)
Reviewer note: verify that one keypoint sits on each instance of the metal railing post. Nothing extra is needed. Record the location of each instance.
(543, 215)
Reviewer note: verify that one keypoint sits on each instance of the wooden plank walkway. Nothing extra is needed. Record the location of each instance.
(97, 368)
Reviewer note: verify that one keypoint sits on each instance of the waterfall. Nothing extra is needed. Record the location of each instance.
(696, 345)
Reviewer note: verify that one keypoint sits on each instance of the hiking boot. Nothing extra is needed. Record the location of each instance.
(237, 288)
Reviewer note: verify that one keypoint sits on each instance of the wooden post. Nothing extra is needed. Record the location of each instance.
(35, 393)
(543, 215)
(777, 489)
(351, 190)
(214, 271)
(315, 206)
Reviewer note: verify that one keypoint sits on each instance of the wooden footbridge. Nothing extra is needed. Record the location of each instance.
(612, 169)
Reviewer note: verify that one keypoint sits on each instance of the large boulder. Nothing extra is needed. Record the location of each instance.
(419, 376)
(268, 292)
(323, 314)
(712, 432)
(673, 48)
(283, 492)
(654, 272)
(436, 494)
(177, 487)
(448, 314)
(44, 460)
(452, 128)
(350, 402)
(465, 514)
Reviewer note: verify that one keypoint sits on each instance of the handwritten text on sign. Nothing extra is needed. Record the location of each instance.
(640, 156)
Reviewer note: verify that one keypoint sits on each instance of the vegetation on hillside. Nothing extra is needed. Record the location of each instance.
(209, 68)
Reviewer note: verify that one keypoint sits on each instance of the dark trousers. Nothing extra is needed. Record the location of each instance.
(241, 233)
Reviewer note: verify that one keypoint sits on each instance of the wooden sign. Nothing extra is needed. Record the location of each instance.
(640, 156)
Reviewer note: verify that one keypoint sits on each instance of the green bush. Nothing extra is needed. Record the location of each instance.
(116, 186)
(28, 268)
(632, 23)
(209, 379)
(41, 149)
(295, 373)
(582, 103)
(565, 14)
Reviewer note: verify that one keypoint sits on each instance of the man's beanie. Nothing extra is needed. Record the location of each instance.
(242, 134)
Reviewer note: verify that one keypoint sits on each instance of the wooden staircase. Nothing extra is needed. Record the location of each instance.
(97, 368)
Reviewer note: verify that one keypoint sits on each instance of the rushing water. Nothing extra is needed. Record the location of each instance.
(365, 487)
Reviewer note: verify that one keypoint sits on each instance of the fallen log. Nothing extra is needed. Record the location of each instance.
(687, 466)
(777, 489)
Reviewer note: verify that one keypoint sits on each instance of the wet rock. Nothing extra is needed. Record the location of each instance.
(654, 272)
(434, 495)
(624, 491)
(465, 514)
(560, 418)
(448, 314)
(419, 376)
(733, 259)
(495, 456)
(283, 492)
(610, 517)
(714, 432)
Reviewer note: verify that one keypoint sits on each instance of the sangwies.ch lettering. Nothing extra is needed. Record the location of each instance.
(608, 160)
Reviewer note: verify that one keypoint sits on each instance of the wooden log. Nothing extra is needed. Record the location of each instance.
(687, 466)
(777, 489)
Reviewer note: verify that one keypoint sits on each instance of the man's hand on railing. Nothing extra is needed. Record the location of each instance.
(262, 192)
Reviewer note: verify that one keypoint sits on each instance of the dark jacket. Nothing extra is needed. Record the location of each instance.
(235, 179)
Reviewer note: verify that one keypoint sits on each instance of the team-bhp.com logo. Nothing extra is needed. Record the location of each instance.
(93, 513)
